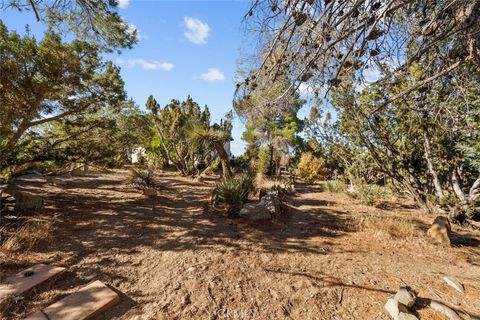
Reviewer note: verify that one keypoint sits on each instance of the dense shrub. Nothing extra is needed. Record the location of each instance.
(370, 194)
(311, 168)
(232, 192)
(336, 186)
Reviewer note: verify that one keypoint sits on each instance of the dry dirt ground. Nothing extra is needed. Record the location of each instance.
(173, 258)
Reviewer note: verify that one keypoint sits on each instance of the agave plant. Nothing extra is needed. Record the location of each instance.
(233, 191)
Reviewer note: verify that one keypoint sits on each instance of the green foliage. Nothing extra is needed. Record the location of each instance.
(264, 160)
(311, 168)
(270, 111)
(336, 186)
(97, 22)
(212, 167)
(173, 140)
(233, 191)
(370, 194)
(54, 93)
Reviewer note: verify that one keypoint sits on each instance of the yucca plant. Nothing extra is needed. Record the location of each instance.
(142, 179)
(233, 191)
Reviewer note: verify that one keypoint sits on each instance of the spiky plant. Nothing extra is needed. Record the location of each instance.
(233, 191)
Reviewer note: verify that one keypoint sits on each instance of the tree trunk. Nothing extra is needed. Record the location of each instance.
(431, 167)
(227, 172)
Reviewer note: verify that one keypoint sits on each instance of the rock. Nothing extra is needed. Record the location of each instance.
(444, 310)
(150, 192)
(56, 181)
(440, 230)
(290, 189)
(78, 172)
(255, 211)
(269, 206)
(394, 308)
(261, 193)
(398, 311)
(454, 284)
(407, 316)
(406, 296)
(26, 201)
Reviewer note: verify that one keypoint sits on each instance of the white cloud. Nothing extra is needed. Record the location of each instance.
(146, 65)
(197, 30)
(213, 75)
(123, 3)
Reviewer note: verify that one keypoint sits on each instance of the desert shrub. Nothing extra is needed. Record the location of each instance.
(336, 186)
(311, 168)
(142, 179)
(232, 192)
(370, 194)
(388, 227)
(247, 184)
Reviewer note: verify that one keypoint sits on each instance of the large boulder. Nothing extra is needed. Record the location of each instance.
(255, 211)
(270, 205)
(26, 201)
(440, 230)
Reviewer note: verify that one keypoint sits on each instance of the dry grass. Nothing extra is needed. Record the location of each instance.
(388, 227)
(27, 236)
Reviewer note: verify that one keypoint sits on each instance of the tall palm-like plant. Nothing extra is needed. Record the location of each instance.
(216, 136)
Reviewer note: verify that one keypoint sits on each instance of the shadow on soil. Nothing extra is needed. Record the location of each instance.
(102, 215)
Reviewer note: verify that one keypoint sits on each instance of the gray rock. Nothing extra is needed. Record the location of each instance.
(394, 308)
(446, 311)
(398, 311)
(406, 296)
(269, 206)
(255, 211)
(26, 201)
(407, 316)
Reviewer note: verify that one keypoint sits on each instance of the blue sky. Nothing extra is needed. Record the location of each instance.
(185, 47)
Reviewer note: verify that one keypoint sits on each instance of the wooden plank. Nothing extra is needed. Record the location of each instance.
(36, 316)
(84, 304)
(27, 279)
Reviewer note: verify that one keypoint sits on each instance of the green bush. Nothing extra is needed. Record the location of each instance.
(263, 162)
(212, 167)
(311, 168)
(232, 192)
(336, 186)
(370, 194)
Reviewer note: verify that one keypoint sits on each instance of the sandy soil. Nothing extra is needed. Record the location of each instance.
(172, 258)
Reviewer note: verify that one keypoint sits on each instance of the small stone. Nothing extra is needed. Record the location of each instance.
(454, 284)
(406, 296)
